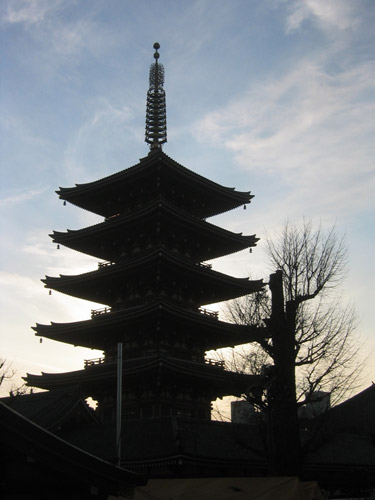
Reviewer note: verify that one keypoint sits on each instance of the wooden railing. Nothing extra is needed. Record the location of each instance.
(99, 361)
(99, 312)
(95, 361)
(106, 263)
(207, 312)
(215, 362)
(203, 264)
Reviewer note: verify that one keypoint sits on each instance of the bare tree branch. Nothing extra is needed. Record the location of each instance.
(313, 263)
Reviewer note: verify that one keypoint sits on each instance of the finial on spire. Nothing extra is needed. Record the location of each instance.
(156, 47)
(156, 115)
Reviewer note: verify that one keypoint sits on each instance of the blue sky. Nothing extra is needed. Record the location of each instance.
(276, 97)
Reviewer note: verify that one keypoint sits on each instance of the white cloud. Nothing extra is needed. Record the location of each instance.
(29, 12)
(99, 135)
(74, 38)
(54, 262)
(61, 31)
(21, 196)
(328, 14)
(311, 128)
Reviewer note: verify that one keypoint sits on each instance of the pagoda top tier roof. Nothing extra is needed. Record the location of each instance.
(155, 174)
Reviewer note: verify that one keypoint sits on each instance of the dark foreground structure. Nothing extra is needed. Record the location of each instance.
(36, 464)
(153, 282)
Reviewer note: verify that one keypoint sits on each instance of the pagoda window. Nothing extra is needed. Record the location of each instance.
(165, 410)
(184, 412)
(130, 412)
(107, 414)
(147, 411)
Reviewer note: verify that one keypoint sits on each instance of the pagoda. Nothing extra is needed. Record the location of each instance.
(153, 281)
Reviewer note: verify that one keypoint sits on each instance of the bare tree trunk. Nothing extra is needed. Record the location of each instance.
(283, 418)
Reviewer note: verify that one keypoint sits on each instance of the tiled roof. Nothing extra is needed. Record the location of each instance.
(89, 333)
(50, 410)
(51, 459)
(93, 196)
(221, 381)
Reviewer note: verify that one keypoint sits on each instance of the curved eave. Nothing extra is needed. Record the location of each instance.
(224, 382)
(89, 333)
(102, 285)
(94, 196)
(93, 240)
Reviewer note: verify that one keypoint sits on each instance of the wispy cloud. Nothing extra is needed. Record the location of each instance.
(336, 14)
(21, 197)
(55, 262)
(99, 135)
(59, 38)
(311, 128)
(29, 12)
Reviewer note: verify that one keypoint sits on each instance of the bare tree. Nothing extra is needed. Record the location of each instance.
(326, 345)
(309, 342)
(6, 371)
(7, 374)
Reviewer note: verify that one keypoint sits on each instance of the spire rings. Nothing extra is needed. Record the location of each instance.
(156, 115)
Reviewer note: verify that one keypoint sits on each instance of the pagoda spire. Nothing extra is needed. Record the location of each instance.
(156, 115)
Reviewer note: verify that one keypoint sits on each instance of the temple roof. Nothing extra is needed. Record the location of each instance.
(167, 439)
(155, 174)
(159, 220)
(154, 273)
(52, 410)
(216, 379)
(106, 329)
(356, 412)
(37, 460)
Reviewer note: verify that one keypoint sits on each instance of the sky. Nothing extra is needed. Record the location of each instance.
(274, 97)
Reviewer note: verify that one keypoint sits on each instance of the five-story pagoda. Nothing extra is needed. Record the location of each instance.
(153, 282)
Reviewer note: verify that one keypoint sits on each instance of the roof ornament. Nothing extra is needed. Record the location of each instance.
(156, 115)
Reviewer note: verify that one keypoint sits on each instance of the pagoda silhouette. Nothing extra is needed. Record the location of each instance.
(154, 284)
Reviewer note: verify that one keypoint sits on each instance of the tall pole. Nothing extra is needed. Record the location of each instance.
(119, 402)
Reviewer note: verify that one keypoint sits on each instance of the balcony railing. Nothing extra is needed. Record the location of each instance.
(215, 362)
(106, 263)
(207, 312)
(100, 312)
(107, 310)
(99, 361)
(92, 362)
(203, 264)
